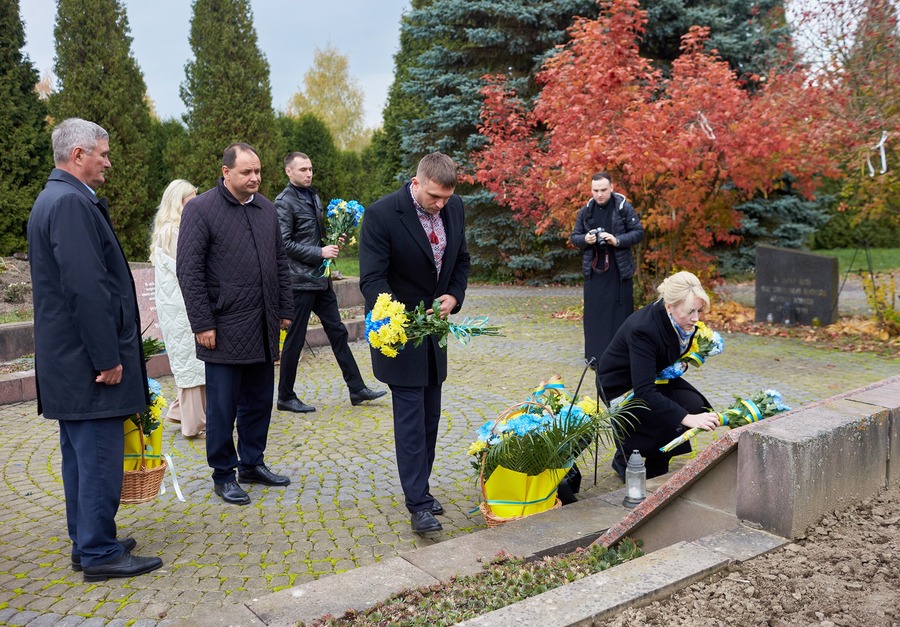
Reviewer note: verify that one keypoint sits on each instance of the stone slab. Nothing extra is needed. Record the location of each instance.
(681, 520)
(357, 589)
(828, 456)
(16, 387)
(599, 596)
(795, 287)
(742, 543)
(16, 340)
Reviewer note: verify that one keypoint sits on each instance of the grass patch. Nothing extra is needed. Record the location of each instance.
(506, 580)
(348, 266)
(883, 259)
(20, 315)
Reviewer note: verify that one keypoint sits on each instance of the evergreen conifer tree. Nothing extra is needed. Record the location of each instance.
(309, 134)
(464, 40)
(454, 43)
(24, 140)
(100, 81)
(227, 93)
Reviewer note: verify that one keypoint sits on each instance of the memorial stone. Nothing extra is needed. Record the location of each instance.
(145, 285)
(795, 287)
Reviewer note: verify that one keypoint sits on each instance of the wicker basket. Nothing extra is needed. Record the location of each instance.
(142, 485)
(491, 519)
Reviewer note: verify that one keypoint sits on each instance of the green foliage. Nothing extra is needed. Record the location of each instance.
(24, 139)
(384, 152)
(309, 134)
(100, 81)
(746, 34)
(459, 41)
(847, 229)
(227, 94)
(152, 347)
(335, 97)
(506, 580)
(783, 219)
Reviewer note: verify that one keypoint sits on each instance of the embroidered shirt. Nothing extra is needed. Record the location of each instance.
(434, 229)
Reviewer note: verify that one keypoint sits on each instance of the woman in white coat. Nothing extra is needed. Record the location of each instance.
(189, 407)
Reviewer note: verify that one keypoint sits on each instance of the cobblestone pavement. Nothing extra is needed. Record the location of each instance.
(342, 509)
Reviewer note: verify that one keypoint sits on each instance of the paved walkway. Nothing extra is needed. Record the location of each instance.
(342, 509)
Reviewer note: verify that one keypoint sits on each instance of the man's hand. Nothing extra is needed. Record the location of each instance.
(285, 323)
(330, 252)
(207, 339)
(448, 304)
(113, 376)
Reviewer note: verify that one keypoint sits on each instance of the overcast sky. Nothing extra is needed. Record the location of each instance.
(288, 31)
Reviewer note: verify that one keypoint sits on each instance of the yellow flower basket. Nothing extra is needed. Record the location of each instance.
(509, 494)
(144, 464)
(138, 447)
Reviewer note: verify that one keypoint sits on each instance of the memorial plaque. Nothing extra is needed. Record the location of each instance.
(145, 285)
(795, 287)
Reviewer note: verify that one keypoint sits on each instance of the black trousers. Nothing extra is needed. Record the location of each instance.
(237, 394)
(417, 415)
(324, 304)
(93, 454)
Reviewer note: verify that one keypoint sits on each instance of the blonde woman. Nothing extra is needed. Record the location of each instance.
(189, 407)
(651, 339)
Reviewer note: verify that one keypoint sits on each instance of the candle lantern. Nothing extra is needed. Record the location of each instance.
(635, 480)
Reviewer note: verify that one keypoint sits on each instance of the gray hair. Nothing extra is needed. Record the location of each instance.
(72, 133)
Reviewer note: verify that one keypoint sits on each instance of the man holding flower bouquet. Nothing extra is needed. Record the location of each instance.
(302, 223)
(413, 248)
(650, 340)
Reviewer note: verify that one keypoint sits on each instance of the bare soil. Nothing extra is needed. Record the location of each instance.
(14, 272)
(845, 571)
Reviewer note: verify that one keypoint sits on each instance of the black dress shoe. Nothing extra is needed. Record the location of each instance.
(232, 493)
(436, 508)
(127, 543)
(295, 405)
(261, 474)
(365, 394)
(126, 565)
(424, 522)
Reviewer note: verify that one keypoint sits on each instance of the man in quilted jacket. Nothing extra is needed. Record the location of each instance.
(303, 229)
(236, 286)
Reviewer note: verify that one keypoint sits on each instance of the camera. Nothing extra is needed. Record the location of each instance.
(596, 233)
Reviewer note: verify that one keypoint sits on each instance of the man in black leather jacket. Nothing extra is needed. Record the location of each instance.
(302, 224)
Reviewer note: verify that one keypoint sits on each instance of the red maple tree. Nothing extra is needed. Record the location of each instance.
(684, 149)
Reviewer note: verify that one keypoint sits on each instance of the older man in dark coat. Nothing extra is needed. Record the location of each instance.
(413, 247)
(89, 364)
(234, 276)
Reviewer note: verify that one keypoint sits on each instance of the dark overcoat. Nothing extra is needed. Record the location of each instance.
(395, 258)
(234, 275)
(642, 347)
(86, 317)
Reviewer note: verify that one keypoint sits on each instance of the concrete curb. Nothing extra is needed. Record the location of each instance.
(634, 583)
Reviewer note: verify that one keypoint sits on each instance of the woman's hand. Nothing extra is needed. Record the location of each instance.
(707, 421)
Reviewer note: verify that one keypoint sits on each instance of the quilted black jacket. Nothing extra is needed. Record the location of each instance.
(234, 275)
(302, 230)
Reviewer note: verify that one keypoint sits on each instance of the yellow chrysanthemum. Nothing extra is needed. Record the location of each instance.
(477, 447)
(587, 405)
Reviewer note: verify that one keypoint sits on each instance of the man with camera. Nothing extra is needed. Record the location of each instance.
(605, 230)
